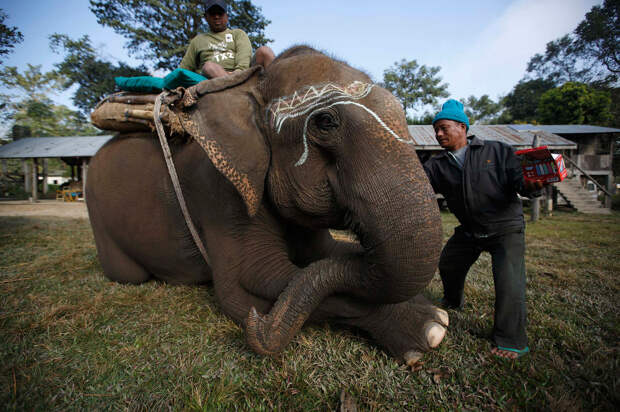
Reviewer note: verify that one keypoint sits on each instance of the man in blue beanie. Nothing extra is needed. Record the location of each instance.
(480, 181)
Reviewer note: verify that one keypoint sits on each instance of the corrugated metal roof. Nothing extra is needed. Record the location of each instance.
(424, 137)
(78, 146)
(565, 128)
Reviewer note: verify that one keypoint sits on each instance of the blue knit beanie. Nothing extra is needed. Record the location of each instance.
(452, 110)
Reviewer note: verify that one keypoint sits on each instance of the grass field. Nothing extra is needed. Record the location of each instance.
(70, 339)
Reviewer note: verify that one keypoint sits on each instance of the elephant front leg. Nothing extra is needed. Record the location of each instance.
(412, 326)
(406, 330)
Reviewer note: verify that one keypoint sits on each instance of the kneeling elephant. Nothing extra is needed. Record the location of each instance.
(272, 164)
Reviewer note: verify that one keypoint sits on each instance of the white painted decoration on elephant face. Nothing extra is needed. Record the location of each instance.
(308, 98)
(315, 98)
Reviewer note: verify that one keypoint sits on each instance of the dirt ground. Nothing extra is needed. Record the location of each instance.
(56, 208)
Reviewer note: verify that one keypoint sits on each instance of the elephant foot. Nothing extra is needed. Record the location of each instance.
(409, 329)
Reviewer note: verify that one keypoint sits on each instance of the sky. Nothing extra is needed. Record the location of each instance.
(482, 46)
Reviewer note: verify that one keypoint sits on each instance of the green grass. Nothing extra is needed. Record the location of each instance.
(70, 339)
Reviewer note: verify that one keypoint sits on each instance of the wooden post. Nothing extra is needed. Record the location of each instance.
(610, 188)
(549, 200)
(27, 178)
(35, 178)
(84, 177)
(535, 201)
(44, 172)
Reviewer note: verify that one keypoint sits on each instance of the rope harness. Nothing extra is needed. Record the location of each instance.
(173, 174)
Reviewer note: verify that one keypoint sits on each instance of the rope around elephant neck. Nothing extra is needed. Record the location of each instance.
(174, 177)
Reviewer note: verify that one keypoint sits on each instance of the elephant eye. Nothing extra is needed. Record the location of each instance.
(325, 121)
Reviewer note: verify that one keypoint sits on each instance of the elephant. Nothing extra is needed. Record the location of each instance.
(268, 167)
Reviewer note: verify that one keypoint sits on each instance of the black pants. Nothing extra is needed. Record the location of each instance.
(508, 258)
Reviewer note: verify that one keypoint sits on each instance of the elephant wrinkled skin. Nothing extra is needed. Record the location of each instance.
(272, 164)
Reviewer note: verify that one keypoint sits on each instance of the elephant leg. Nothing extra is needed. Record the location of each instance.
(117, 266)
(405, 329)
(268, 334)
(410, 326)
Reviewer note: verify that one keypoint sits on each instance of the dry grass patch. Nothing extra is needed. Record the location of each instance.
(70, 339)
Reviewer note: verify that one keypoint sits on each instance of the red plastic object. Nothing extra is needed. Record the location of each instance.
(540, 164)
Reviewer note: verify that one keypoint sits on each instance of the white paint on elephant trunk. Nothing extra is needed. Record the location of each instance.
(315, 98)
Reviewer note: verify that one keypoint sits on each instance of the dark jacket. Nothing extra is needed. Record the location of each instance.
(483, 195)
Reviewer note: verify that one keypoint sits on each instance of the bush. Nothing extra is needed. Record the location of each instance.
(12, 190)
(615, 202)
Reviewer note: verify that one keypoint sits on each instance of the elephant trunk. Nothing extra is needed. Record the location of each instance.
(399, 227)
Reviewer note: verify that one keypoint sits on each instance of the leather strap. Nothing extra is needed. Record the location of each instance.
(173, 175)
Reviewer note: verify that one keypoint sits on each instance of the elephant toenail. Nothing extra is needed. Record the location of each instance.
(434, 334)
(443, 317)
(412, 357)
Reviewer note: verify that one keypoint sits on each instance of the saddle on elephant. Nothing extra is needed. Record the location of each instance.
(128, 111)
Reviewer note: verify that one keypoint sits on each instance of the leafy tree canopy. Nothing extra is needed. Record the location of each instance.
(29, 107)
(481, 110)
(522, 102)
(575, 103)
(9, 36)
(598, 35)
(426, 118)
(590, 54)
(414, 85)
(160, 30)
(31, 84)
(93, 76)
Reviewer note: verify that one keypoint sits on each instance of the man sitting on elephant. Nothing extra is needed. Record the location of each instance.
(480, 181)
(222, 50)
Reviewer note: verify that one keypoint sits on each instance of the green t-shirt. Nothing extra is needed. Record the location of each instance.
(230, 48)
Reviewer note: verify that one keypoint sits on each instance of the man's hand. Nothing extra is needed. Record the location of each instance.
(534, 185)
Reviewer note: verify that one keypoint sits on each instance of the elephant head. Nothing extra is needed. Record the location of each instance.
(317, 143)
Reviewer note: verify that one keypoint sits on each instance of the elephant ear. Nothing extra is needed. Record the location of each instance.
(224, 123)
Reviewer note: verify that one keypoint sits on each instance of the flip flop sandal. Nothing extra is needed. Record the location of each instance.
(519, 352)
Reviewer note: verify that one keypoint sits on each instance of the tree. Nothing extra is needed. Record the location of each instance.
(425, 118)
(560, 63)
(522, 102)
(9, 36)
(82, 67)
(574, 103)
(414, 85)
(160, 30)
(30, 108)
(590, 54)
(598, 35)
(481, 110)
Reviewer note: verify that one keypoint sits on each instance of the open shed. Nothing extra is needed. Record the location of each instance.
(75, 151)
(426, 145)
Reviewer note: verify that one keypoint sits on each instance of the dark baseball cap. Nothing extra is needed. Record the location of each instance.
(220, 3)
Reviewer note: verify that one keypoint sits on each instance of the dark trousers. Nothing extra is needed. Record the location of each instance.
(508, 258)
